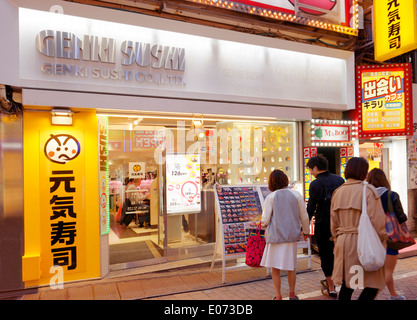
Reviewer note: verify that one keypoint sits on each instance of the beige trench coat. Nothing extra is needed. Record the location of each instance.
(346, 207)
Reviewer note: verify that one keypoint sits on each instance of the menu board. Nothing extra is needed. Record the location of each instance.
(240, 211)
(183, 188)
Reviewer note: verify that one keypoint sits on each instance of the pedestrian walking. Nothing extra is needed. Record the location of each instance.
(320, 193)
(345, 212)
(283, 216)
(378, 179)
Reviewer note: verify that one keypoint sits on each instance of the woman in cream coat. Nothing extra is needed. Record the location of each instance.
(346, 207)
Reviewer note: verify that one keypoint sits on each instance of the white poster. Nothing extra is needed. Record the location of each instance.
(183, 183)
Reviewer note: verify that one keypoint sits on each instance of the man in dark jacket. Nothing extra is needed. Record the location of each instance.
(321, 190)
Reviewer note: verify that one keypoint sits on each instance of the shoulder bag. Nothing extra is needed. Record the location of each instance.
(399, 237)
(371, 251)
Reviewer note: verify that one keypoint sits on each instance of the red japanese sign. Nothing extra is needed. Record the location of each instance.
(384, 100)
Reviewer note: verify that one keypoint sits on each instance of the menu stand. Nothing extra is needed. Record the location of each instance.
(239, 210)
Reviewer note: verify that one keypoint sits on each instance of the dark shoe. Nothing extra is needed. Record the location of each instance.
(325, 289)
(295, 298)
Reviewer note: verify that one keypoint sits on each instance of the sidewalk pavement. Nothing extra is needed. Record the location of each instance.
(201, 283)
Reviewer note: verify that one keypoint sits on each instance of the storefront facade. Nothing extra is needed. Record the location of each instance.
(380, 130)
(160, 104)
(332, 138)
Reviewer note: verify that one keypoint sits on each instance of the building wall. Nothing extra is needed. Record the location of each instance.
(412, 192)
(412, 211)
(11, 202)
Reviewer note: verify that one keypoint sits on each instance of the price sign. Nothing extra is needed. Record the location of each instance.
(183, 183)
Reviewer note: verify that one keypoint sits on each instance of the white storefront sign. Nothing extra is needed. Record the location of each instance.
(66, 52)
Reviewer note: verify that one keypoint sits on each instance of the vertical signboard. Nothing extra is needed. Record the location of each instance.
(345, 154)
(183, 187)
(103, 127)
(61, 198)
(308, 153)
(394, 28)
(384, 100)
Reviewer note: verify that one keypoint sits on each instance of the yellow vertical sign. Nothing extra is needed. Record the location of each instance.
(61, 198)
(394, 28)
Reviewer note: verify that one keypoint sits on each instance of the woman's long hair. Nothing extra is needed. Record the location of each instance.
(377, 178)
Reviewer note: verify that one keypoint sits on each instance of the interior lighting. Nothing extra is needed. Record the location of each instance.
(252, 120)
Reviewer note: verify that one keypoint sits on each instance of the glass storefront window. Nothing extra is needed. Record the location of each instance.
(254, 150)
(375, 154)
(230, 153)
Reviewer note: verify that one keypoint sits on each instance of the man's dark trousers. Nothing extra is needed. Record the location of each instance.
(325, 246)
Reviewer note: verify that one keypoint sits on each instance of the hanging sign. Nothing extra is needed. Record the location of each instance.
(384, 100)
(394, 28)
(183, 188)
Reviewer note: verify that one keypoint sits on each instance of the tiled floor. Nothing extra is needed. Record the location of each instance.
(199, 283)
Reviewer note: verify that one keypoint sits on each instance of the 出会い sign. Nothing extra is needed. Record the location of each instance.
(384, 95)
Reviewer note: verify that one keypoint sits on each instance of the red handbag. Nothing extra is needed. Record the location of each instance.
(255, 248)
(399, 237)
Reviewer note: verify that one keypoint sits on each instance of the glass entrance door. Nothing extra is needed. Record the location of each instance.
(137, 231)
(390, 155)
